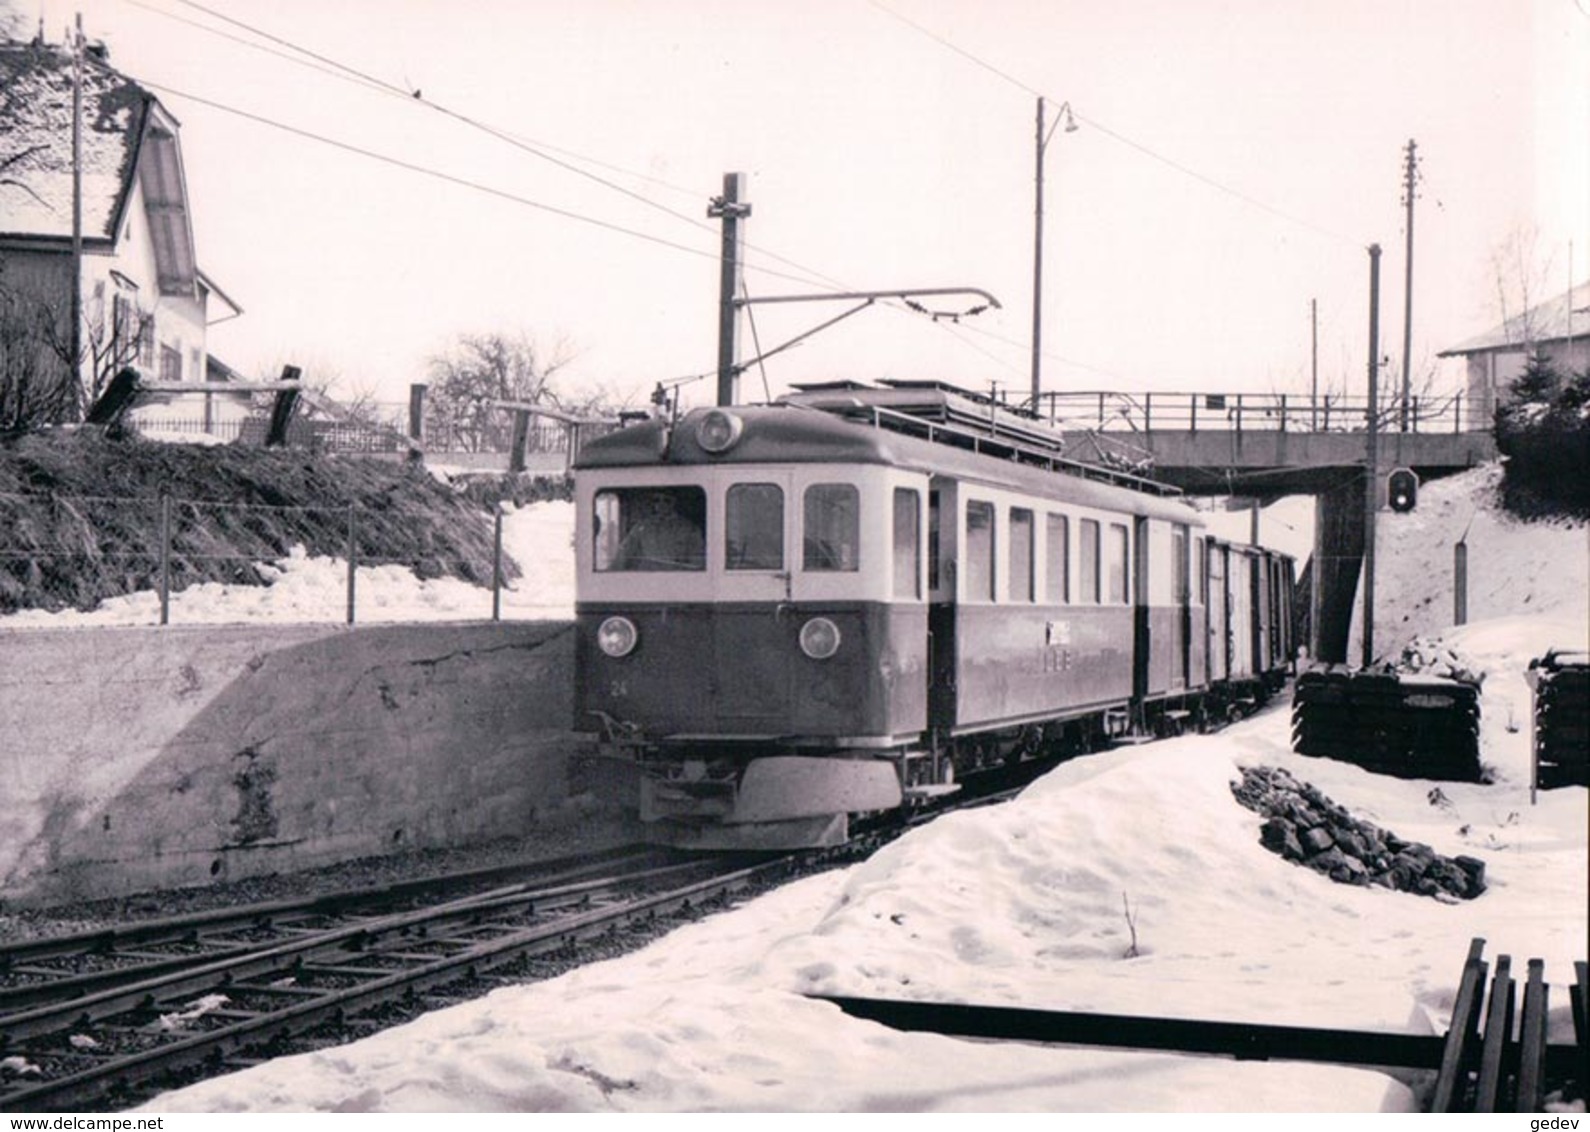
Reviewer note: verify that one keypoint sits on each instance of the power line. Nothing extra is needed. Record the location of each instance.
(1114, 134)
(349, 73)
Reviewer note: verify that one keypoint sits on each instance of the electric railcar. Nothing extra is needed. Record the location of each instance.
(790, 614)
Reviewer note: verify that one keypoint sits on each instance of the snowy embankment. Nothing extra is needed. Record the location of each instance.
(1031, 904)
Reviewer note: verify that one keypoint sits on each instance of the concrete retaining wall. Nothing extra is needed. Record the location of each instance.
(161, 757)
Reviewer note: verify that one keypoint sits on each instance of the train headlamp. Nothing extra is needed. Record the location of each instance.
(718, 431)
(617, 636)
(820, 638)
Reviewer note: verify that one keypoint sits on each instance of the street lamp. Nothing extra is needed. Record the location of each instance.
(1042, 137)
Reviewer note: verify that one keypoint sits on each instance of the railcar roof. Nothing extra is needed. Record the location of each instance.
(793, 434)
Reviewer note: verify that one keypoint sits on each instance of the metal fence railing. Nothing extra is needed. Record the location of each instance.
(61, 552)
(1259, 412)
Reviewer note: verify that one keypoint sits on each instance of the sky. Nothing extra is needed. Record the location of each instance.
(1024, 905)
(1233, 160)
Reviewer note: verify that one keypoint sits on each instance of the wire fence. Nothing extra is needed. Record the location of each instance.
(63, 552)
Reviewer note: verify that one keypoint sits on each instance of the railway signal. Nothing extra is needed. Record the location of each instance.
(1402, 489)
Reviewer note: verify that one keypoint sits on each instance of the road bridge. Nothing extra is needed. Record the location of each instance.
(1266, 446)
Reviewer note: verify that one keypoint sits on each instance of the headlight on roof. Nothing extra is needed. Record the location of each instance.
(617, 636)
(820, 638)
(718, 431)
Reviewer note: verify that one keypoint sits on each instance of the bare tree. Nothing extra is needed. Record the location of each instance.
(1521, 273)
(35, 389)
(481, 369)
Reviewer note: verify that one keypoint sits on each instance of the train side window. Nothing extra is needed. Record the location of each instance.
(933, 540)
(1057, 546)
(1021, 560)
(833, 527)
(1201, 565)
(1178, 557)
(1088, 562)
(907, 543)
(650, 528)
(1119, 568)
(979, 551)
(753, 527)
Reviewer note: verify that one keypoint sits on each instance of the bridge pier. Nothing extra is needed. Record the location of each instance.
(1337, 562)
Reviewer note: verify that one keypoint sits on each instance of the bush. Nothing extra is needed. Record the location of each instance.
(1544, 433)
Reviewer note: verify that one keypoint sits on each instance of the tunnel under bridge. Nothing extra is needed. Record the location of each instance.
(1264, 447)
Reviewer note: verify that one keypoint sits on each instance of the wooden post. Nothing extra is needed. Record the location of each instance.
(521, 436)
(417, 412)
(1460, 582)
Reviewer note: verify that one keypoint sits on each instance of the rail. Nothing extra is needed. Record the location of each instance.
(1481, 1067)
(1105, 410)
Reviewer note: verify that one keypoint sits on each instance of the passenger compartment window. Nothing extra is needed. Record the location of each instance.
(753, 527)
(833, 527)
(1021, 560)
(650, 529)
(1057, 555)
(979, 551)
(1118, 569)
(907, 543)
(1088, 562)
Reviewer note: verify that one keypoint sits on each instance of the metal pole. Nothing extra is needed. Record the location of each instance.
(496, 565)
(165, 559)
(1460, 582)
(1037, 257)
(1313, 365)
(1372, 456)
(731, 209)
(353, 557)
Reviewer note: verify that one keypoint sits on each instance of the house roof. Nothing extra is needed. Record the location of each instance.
(128, 138)
(1556, 320)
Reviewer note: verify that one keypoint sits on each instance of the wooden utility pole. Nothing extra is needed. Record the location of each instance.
(74, 335)
(1410, 174)
(731, 208)
(1372, 457)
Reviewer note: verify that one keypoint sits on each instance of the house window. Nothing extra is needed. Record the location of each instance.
(146, 341)
(170, 364)
(124, 329)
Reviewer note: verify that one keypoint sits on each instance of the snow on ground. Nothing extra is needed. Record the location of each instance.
(305, 588)
(1024, 904)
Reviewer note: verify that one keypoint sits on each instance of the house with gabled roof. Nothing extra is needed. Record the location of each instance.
(145, 301)
(1558, 330)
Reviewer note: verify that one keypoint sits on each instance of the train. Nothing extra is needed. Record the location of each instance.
(846, 601)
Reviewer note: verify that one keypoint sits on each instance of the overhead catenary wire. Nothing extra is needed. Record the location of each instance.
(1115, 135)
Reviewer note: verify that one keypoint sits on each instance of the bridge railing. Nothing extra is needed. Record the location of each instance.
(1258, 412)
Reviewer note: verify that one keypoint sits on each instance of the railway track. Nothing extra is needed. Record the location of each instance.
(138, 1028)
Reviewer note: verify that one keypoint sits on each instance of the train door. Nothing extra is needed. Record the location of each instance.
(1240, 614)
(942, 503)
(1181, 619)
(1142, 634)
(1262, 613)
(1219, 625)
(754, 545)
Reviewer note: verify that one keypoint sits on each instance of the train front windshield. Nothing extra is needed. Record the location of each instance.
(651, 529)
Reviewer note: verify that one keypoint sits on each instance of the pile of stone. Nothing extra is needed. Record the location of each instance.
(1427, 656)
(1306, 827)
